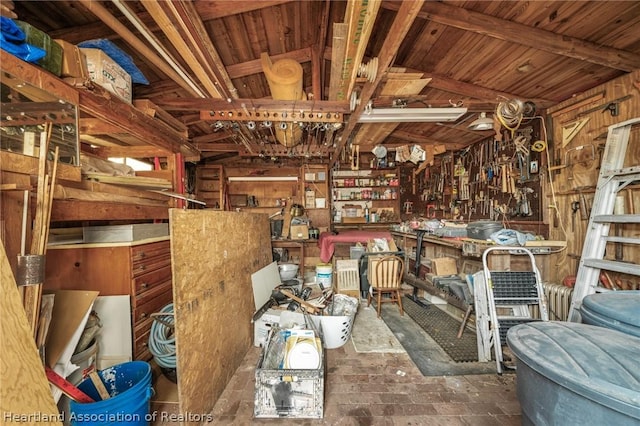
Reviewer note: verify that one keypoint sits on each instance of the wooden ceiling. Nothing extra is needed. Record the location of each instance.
(202, 60)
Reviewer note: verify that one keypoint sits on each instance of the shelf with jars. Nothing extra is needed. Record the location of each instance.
(365, 196)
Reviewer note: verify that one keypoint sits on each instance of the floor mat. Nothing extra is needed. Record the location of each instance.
(371, 334)
(427, 355)
(443, 328)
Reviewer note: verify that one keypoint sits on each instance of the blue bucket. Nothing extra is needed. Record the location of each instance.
(129, 387)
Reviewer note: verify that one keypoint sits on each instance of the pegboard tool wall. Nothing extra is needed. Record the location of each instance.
(498, 178)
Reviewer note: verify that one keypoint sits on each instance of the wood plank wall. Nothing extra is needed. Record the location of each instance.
(578, 179)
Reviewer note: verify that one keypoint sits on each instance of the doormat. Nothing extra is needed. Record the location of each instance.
(443, 328)
(371, 334)
(423, 350)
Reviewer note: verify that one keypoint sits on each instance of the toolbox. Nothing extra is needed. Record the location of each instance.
(482, 229)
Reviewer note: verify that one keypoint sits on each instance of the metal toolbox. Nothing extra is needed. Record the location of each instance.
(289, 393)
(482, 229)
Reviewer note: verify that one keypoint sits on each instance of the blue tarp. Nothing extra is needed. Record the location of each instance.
(12, 39)
(119, 56)
(510, 237)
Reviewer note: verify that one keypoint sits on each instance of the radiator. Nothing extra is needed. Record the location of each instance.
(558, 301)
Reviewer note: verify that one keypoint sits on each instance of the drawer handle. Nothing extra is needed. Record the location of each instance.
(142, 255)
(143, 315)
(144, 285)
(143, 267)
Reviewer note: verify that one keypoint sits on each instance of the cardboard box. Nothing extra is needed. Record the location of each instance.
(299, 232)
(371, 246)
(444, 266)
(106, 72)
(74, 61)
(309, 199)
(262, 327)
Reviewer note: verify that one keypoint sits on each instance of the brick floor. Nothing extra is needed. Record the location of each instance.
(366, 389)
(381, 389)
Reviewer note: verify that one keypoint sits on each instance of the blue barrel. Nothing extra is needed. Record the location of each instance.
(129, 387)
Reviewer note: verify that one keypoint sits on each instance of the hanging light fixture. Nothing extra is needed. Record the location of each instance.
(482, 123)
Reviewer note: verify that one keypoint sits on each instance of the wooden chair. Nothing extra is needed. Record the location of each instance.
(386, 278)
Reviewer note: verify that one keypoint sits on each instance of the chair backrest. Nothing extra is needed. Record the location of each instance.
(388, 272)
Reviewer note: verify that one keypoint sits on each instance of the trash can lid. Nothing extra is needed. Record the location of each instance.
(597, 363)
(623, 306)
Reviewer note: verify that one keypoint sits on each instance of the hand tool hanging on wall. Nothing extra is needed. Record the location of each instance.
(575, 206)
(584, 208)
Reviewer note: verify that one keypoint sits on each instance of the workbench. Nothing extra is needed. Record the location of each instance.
(468, 255)
(328, 240)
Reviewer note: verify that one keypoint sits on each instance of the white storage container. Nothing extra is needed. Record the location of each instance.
(124, 233)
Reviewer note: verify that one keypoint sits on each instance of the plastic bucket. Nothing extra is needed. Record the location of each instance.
(129, 387)
(324, 275)
(86, 362)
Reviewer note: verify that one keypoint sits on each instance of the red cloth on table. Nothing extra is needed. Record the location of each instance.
(327, 240)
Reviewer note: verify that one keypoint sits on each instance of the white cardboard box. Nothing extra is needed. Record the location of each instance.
(106, 72)
(270, 318)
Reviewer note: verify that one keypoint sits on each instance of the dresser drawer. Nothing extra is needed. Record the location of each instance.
(163, 290)
(143, 311)
(141, 344)
(149, 257)
(148, 281)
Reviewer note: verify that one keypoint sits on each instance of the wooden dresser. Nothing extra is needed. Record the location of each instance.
(141, 270)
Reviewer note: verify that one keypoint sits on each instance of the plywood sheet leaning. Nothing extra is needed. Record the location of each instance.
(213, 254)
(25, 396)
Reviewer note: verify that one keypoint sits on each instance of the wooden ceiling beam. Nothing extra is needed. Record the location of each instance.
(132, 121)
(412, 137)
(470, 90)
(220, 147)
(403, 20)
(132, 151)
(211, 137)
(94, 126)
(535, 38)
(209, 10)
(359, 18)
(250, 105)
(318, 63)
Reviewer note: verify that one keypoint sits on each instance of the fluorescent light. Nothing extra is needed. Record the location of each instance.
(482, 123)
(411, 115)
